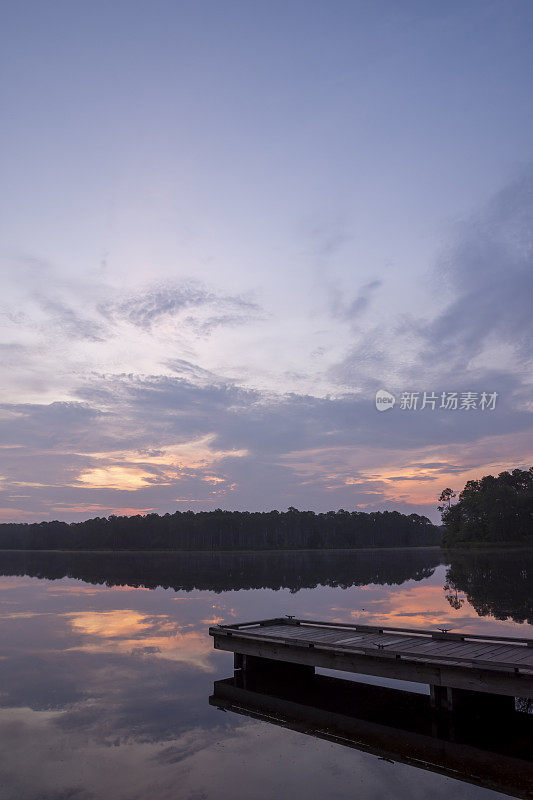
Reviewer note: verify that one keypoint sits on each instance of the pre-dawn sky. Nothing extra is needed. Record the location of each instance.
(225, 225)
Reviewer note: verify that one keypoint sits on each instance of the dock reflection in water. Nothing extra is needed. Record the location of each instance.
(490, 748)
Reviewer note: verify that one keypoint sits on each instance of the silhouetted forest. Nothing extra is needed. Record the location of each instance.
(226, 571)
(492, 509)
(226, 530)
(495, 584)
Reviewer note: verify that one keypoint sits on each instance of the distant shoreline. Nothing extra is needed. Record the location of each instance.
(474, 546)
(461, 546)
(225, 550)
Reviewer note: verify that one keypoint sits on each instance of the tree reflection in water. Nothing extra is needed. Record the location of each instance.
(225, 571)
(496, 584)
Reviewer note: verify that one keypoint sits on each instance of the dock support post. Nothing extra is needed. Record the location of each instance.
(287, 669)
(444, 698)
(441, 698)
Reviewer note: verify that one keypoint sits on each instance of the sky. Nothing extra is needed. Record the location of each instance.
(224, 226)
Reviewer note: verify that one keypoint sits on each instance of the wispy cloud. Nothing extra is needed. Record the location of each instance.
(352, 309)
(484, 330)
(156, 302)
(489, 270)
(67, 322)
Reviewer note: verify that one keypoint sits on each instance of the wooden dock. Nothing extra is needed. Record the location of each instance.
(453, 664)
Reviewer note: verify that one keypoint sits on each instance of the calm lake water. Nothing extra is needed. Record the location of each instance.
(107, 667)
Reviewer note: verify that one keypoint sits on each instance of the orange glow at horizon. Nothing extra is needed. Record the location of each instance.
(415, 476)
(131, 470)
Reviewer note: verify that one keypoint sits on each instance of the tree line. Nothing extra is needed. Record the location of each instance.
(226, 530)
(490, 510)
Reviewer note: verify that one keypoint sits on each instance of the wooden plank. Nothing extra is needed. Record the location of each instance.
(384, 638)
(448, 651)
(465, 651)
(405, 644)
(315, 633)
(293, 630)
(349, 640)
(518, 658)
(501, 650)
(430, 648)
(311, 635)
(483, 650)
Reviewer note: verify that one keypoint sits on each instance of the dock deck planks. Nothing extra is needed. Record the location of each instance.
(314, 643)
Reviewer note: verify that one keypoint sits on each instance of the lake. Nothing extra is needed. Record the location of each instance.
(107, 668)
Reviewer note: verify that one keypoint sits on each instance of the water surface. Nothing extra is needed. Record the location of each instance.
(107, 668)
